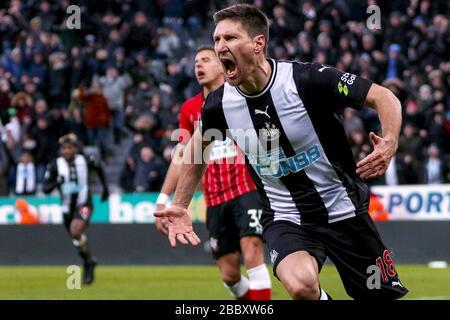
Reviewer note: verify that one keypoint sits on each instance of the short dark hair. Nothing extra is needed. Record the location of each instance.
(251, 18)
(70, 138)
(203, 48)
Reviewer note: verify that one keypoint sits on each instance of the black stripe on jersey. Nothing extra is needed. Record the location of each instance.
(213, 116)
(303, 192)
(73, 177)
(268, 213)
(332, 137)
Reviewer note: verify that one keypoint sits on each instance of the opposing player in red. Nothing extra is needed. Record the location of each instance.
(233, 211)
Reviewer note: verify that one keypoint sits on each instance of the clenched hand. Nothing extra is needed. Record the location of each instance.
(376, 163)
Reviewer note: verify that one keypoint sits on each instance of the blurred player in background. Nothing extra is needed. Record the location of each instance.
(314, 196)
(233, 211)
(69, 173)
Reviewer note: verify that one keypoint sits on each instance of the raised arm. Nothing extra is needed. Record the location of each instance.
(390, 113)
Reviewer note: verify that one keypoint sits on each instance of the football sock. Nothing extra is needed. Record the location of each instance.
(260, 284)
(83, 249)
(239, 290)
(324, 295)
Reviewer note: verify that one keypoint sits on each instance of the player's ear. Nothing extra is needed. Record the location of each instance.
(259, 43)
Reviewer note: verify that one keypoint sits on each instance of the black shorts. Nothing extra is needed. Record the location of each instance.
(80, 212)
(355, 247)
(228, 222)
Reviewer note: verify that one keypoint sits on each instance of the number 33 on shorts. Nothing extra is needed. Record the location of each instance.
(255, 217)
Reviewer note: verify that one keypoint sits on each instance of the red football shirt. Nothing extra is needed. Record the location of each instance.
(222, 181)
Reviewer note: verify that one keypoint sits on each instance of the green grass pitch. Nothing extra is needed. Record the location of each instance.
(184, 283)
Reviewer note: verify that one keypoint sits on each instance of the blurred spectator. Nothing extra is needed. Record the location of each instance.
(140, 35)
(138, 101)
(23, 103)
(168, 43)
(5, 97)
(43, 142)
(434, 169)
(149, 171)
(25, 175)
(410, 141)
(359, 142)
(4, 165)
(351, 121)
(42, 62)
(57, 80)
(14, 65)
(37, 69)
(114, 86)
(395, 63)
(97, 116)
(74, 122)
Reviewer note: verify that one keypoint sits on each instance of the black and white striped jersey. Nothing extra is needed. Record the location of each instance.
(72, 181)
(294, 142)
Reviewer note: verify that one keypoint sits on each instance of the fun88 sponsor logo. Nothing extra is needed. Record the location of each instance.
(275, 163)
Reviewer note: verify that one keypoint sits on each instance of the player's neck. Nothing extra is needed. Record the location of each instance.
(258, 78)
(70, 159)
(212, 86)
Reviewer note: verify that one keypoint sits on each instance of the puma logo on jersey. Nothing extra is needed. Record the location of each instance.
(257, 111)
(323, 68)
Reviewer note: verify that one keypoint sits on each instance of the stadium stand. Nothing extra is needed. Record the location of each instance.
(133, 61)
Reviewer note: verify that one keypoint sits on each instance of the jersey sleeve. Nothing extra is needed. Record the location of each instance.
(50, 177)
(213, 124)
(332, 86)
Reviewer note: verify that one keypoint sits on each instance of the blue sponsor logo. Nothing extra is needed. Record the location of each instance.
(275, 163)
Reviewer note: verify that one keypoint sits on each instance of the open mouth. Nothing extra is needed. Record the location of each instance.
(200, 74)
(229, 66)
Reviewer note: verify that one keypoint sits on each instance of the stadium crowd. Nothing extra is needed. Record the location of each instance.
(129, 68)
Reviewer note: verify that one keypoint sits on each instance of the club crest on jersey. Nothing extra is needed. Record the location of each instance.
(270, 132)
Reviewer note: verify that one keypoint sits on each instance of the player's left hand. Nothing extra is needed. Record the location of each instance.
(377, 162)
(180, 225)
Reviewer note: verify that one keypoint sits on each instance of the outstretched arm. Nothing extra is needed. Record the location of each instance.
(390, 113)
(191, 172)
